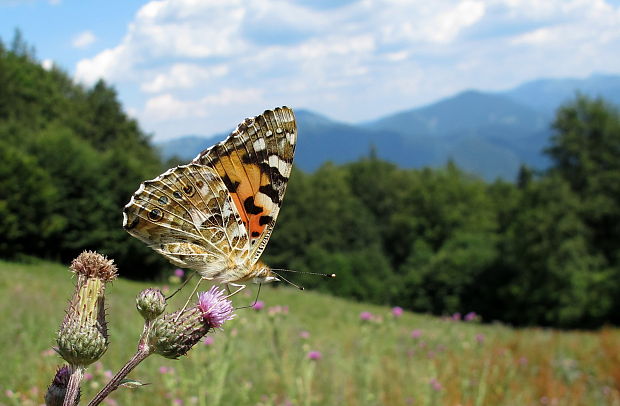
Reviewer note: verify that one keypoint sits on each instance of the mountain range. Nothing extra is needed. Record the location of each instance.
(487, 133)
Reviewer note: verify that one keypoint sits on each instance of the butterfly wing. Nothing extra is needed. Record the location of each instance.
(254, 163)
(187, 215)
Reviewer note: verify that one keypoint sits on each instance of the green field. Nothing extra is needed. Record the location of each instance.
(261, 358)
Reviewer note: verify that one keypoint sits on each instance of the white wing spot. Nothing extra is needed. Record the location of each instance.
(275, 161)
(259, 145)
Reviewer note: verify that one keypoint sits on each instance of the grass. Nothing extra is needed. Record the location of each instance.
(261, 358)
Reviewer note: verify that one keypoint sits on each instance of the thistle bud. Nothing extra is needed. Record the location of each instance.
(83, 335)
(176, 333)
(150, 303)
(55, 395)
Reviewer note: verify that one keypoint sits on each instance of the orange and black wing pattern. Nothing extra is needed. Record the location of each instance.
(255, 163)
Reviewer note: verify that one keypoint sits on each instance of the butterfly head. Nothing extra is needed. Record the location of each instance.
(264, 274)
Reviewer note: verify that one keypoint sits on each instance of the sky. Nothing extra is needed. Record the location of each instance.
(201, 66)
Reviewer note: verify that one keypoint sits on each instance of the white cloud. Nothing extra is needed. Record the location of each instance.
(356, 61)
(83, 39)
(168, 107)
(182, 76)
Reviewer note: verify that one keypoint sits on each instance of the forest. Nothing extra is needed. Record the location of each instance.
(542, 250)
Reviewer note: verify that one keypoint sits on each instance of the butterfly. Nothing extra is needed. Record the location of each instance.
(215, 215)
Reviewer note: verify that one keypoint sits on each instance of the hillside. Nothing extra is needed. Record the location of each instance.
(489, 134)
(262, 357)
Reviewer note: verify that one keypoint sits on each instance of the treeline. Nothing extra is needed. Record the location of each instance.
(70, 158)
(543, 250)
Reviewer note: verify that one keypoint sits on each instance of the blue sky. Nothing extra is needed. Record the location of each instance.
(201, 66)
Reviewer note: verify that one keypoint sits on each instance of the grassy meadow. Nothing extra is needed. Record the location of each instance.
(262, 357)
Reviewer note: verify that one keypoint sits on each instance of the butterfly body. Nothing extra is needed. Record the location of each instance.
(216, 214)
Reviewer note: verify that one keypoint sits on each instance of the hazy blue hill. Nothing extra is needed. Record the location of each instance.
(466, 110)
(328, 140)
(545, 95)
(489, 134)
(186, 146)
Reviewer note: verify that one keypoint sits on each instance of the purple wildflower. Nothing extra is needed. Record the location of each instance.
(315, 355)
(436, 385)
(456, 316)
(397, 311)
(365, 316)
(258, 305)
(208, 340)
(179, 272)
(470, 316)
(215, 307)
(417, 333)
(304, 334)
(480, 338)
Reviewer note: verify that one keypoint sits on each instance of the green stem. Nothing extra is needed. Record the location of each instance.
(73, 387)
(115, 382)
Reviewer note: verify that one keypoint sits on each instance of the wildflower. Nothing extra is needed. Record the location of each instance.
(436, 385)
(456, 316)
(417, 333)
(523, 361)
(315, 355)
(258, 305)
(151, 303)
(176, 333)
(56, 392)
(83, 335)
(470, 316)
(304, 334)
(179, 273)
(215, 308)
(163, 370)
(208, 340)
(365, 316)
(480, 338)
(397, 311)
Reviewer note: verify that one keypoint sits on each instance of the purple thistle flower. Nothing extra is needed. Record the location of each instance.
(436, 385)
(215, 307)
(365, 316)
(315, 355)
(397, 311)
(259, 305)
(179, 272)
(470, 316)
(304, 334)
(417, 333)
(456, 316)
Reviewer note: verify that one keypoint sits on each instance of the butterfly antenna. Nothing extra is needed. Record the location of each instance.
(287, 281)
(182, 286)
(326, 275)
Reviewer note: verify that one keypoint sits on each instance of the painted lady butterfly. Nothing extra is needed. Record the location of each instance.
(215, 215)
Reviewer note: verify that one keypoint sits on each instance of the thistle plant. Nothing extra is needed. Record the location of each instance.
(83, 338)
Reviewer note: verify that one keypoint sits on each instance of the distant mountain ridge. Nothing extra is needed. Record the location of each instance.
(487, 133)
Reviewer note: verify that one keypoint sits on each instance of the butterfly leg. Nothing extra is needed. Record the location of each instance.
(189, 298)
(255, 299)
(182, 286)
(237, 285)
